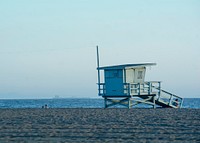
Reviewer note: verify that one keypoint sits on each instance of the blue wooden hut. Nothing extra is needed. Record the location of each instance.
(125, 85)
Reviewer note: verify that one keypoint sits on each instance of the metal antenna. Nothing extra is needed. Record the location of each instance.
(98, 70)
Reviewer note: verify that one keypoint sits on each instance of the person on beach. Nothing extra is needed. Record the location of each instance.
(45, 106)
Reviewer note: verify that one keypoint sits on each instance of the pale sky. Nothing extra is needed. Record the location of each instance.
(48, 47)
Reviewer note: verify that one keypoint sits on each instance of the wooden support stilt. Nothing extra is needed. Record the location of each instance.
(129, 103)
(105, 102)
(113, 101)
(154, 106)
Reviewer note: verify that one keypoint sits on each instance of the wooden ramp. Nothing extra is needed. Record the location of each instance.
(162, 103)
(163, 99)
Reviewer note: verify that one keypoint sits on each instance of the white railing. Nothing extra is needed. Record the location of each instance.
(143, 88)
(154, 87)
(102, 90)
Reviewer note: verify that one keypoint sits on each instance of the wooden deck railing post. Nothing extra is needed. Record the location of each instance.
(170, 100)
(139, 89)
(159, 90)
(181, 102)
(149, 88)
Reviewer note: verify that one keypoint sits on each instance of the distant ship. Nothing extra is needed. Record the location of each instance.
(57, 97)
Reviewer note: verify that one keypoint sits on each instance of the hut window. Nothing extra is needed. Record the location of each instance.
(112, 73)
(116, 73)
(139, 75)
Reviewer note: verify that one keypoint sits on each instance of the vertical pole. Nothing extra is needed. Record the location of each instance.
(98, 71)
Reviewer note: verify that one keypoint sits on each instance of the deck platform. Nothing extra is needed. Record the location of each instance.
(142, 93)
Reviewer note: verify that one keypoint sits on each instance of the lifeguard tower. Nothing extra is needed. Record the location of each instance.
(125, 85)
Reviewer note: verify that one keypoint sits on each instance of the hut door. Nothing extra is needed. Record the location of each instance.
(114, 83)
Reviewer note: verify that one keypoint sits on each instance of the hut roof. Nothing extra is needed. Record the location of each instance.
(125, 66)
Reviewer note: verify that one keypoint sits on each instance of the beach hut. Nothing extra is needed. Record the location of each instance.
(125, 85)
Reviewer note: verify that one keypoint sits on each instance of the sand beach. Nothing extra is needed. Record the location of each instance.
(100, 125)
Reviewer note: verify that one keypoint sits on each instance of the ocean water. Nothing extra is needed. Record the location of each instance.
(76, 103)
